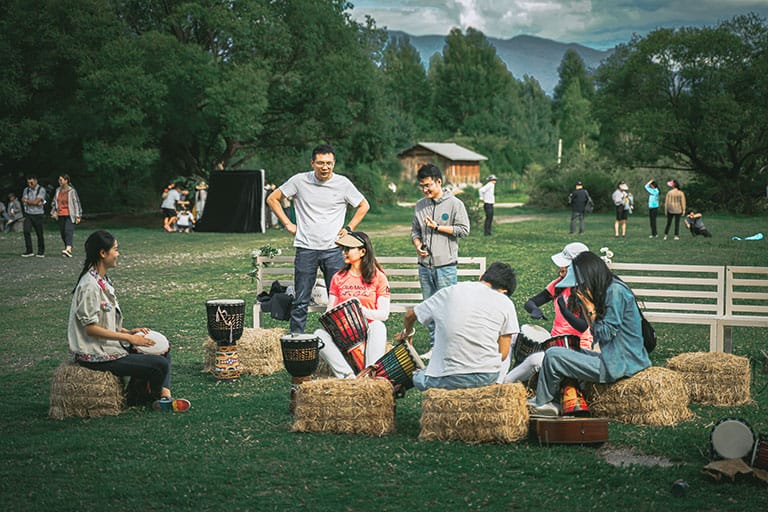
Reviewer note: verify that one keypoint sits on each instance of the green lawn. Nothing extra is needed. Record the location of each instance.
(234, 449)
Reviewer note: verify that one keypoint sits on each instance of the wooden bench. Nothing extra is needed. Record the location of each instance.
(402, 273)
(679, 294)
(746, 302)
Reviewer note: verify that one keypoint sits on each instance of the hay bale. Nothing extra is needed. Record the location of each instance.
(655, 396)
(714, 378)
(79, 392)
(497, 413)
(258, 351)
(345, 406)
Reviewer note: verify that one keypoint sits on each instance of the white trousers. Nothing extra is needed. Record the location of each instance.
(374, 349)
(526, 369)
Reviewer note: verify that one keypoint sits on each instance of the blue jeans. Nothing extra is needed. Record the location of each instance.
(431, 280)
(560, 363)
(306, 264)
(422, 381)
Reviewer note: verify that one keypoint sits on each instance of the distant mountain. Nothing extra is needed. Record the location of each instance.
(523, 55)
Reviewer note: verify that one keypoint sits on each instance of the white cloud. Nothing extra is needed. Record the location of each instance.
(600, 23)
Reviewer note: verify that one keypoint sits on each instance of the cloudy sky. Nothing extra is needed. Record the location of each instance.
(600, 24)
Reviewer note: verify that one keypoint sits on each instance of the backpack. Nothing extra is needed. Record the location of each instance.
(649, 334)
(590, 207)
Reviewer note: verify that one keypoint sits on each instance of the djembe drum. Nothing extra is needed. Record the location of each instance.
(301, 355)
(349, 331)
(225, 327)
(397, 366)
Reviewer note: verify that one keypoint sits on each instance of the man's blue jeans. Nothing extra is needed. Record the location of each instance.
(306, 264)
(422, 381)
(431, 280)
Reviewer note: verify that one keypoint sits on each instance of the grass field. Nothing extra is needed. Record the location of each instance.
(234, 449)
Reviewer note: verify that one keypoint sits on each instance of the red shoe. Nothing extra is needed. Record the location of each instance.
(171, 405)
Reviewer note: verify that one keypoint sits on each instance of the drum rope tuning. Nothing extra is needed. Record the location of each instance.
(223, 317)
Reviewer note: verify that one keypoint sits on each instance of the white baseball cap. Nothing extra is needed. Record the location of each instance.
(570, 251)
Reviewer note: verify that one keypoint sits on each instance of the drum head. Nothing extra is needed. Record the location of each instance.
(415, 356)
(535, 333)
(732, 438)
(225, 302)
(299, 337)
(159, 348)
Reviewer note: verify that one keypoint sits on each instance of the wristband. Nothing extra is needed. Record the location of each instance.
(347, 228)
(408, 334)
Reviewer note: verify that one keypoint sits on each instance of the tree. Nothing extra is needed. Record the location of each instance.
(473, 90)
(696, 95)
(572, 104)
(407, 89)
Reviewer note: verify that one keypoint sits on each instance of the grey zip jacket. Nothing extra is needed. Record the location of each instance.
(448, 210)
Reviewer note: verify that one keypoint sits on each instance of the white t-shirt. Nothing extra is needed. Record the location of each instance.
(469, 318)
(170, 199)
(321, 207)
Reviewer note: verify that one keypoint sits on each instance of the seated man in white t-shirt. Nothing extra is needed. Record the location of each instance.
(474, 326)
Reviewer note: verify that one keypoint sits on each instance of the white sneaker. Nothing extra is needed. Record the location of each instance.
(426, 355)
(548, 409)
(27, 255)
(40, 255)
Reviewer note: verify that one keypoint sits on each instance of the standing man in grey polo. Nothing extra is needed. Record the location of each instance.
(439, 220)
(33, 199)
(320, 199)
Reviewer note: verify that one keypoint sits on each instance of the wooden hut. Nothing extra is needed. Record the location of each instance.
(460, 166)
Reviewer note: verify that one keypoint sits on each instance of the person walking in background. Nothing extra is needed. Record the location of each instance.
(439, 220)
(653, 205)
(695, 224)
(66, 208)
(33, 199)
(487, 196)
(620, 201)
(321, 199)
(674, 207)
(578, 199)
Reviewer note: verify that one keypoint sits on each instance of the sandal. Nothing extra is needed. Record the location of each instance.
(171, 404)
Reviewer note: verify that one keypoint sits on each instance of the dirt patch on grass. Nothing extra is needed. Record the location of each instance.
(622, 456)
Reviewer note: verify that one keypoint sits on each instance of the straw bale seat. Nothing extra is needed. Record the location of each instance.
(345, 406)
(258, 352)
(79, 392)
(714, 378)
(496, 413)
(655, 396)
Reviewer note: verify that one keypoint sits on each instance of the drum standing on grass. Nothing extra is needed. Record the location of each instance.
(732, 438)
(225, 320)
(348, 328)
(227, 365)
(301, 355)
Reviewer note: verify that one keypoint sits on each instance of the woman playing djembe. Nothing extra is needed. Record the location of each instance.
(98, 339)
(363, 278)
(613, 315)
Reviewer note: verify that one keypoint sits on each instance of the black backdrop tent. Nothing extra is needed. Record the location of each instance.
(235, 203)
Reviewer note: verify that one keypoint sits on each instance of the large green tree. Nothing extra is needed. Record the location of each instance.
(696, 95)
(572, 105)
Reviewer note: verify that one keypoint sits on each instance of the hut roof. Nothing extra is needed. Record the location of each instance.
(448, 150)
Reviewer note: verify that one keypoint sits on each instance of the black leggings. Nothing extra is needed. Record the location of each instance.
(652, 214)
(153, 369)
(676, 216)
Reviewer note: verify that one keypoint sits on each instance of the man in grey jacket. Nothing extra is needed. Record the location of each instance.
(439, 220)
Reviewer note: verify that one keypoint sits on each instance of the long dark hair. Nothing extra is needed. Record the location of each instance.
(593, 277)
(368, 263)
(96, 242)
